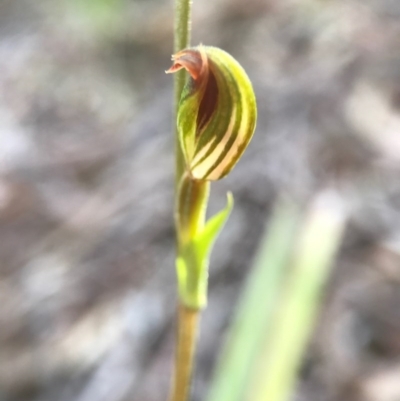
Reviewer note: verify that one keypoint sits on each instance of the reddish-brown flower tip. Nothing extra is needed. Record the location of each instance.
(194, 60)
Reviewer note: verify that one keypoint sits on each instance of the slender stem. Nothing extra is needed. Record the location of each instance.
(190, 216)
(190, 213)
(187, 318)
(191, 198)
(182, 40)
(188, 321)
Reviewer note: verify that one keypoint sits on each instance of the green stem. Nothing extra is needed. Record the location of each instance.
(182, 41)
(190, 219)
(188, 320)
(190, 213)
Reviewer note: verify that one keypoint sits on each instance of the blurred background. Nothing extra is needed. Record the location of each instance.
(87, 281)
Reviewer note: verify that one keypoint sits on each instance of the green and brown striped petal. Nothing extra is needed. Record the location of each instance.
(217, 111)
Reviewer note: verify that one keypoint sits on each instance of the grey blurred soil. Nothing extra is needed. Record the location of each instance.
(87, 285)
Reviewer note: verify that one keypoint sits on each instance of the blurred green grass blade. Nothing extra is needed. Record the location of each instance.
(256, 305)
(280, 356)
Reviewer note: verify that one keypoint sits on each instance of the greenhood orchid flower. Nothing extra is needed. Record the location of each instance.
(217, 111)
